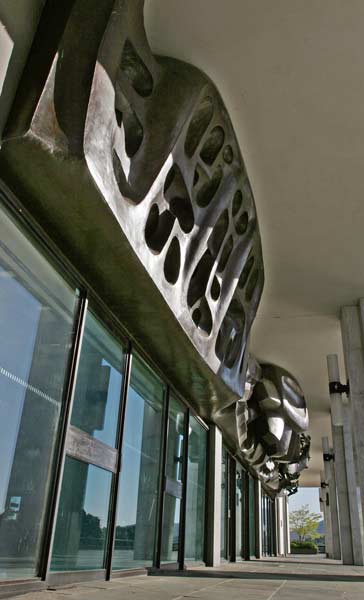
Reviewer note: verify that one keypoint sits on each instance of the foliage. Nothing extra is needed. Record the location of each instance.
(308, 544)
(304, 523)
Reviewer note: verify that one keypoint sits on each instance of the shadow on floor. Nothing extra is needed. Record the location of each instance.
(225, 574)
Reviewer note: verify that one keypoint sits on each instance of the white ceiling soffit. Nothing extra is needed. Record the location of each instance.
(292, 76)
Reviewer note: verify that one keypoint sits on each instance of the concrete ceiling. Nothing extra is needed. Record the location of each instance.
(291, 73)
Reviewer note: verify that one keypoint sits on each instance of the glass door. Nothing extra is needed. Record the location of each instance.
(251, 509)
(171, 533)
(225, 512)
(91, 462)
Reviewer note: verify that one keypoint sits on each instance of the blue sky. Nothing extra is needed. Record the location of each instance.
(308, 495)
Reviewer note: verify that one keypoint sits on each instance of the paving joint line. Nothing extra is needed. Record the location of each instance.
(277, 590)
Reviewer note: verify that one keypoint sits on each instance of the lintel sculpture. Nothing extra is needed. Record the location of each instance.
(131, 163)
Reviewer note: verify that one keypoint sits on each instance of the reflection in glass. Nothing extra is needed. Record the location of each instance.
(196, 492)
(224, 503)
(81, 530)
(239, 508)
(99, 383)
(251, 516)
(36, 329)
(139, 479)
(174, 467)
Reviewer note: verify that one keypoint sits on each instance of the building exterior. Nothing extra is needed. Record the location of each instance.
(136, 428)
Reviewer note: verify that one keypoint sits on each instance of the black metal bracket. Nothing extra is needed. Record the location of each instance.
(336, 387)
(324, 484)
(329, 456)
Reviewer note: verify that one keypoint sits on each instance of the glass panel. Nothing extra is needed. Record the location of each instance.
(174, 466)
(196, 492)
(82, 522)
(140, 476)
(36, 329)
(239, 504)
(99, 383)
(224, 503)
(251, 517)
(171, 523)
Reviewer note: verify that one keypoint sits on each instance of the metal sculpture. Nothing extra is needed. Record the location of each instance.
(159, 145)
(271, 422)
(130, 161)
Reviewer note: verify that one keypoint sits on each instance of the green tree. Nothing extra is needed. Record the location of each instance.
(304, 523)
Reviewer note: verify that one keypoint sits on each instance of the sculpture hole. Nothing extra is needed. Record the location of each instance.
(208, 190)
(119, 117)
(228, 154)
(202, 317)
(231, 335)
(121, 180)
(221, 343)
(253, 280)
(196, 177)
(199, 279)
(213, 145)
(215, 289)
(225, 255)
(175, 192)
(241, 223)
(133, 128)
(172, 262)
(158, 228)
(135, 70)
(233, 349)
(199, 123)
(237, 202)
(218, 233)
(245, 272)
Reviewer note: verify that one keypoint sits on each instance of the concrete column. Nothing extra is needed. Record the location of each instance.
(282, 520)
(326, 509)
(213, 506)
(334, 513)
(279, 525)
(340, 464)
(352, 319)
(286, 523)
(354, 499)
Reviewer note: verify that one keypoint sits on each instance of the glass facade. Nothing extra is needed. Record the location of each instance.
(196, 492)
(268, 525)
(99, 383)
(123, 465)
(239, 511)
(174, 481)
(139, 484)
(224, 504)
(82, 523)
(82, 520)
(252, 541)
(37, 310)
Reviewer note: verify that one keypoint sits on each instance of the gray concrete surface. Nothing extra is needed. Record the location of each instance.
(292, 579)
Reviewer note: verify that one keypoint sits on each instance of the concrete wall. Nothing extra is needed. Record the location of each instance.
(18, 24)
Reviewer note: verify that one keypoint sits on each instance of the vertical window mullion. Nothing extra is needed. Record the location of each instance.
(116, 478)
(182, 528)
(65, 421)
(159, 536)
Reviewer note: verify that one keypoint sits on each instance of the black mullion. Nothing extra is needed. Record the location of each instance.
(65, 417)
(182, 526)
(232, 506)
(246, 518)
(116, 476)
(158, 550)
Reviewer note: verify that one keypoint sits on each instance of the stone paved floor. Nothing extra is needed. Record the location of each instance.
(256, 580)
